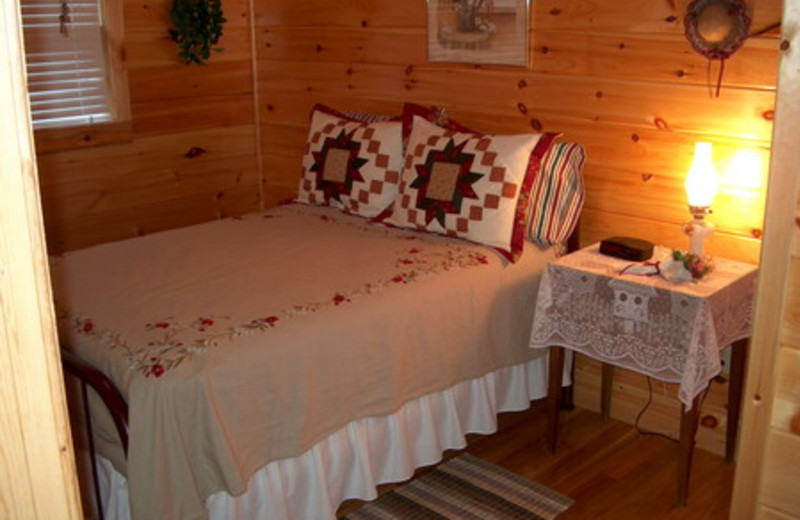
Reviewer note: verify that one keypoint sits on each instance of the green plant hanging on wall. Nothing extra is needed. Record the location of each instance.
(197, 28)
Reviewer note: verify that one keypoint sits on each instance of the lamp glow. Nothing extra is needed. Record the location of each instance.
(702, 184)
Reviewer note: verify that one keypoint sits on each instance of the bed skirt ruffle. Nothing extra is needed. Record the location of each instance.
(352, 462)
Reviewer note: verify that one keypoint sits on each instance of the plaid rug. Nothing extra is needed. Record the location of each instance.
(466, 488)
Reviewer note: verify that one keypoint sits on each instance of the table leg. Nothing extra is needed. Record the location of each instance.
(568, 392)
(735, 387)
(689, 420)
(555, 379)
(606, 389)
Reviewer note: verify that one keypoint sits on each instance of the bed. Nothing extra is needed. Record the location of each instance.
(279, 363)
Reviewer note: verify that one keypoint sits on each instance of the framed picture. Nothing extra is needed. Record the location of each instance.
(478, 31)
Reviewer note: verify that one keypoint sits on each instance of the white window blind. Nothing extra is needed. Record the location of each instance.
(66, 62)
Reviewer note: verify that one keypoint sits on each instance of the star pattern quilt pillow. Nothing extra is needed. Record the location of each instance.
(350, 164)
(468, 185)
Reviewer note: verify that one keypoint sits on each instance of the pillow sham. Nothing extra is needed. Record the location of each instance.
(432, 114)
(468, 185)
(557, 195)
(351, 165)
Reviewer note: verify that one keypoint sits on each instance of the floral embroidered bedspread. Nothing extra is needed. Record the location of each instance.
(248, 340)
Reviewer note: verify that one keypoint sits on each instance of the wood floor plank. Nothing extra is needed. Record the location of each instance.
(607, 467)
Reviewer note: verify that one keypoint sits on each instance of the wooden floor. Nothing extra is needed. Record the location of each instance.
(611, 471)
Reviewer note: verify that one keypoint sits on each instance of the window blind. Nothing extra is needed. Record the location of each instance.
(67, 80)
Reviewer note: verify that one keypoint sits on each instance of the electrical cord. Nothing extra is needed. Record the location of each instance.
(642, 431)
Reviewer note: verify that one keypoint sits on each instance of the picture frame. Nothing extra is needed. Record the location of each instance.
(479, 31)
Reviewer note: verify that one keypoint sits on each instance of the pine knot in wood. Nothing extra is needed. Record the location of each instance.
(794, 426)
(709, 421)
(661, 124)
(194, 151)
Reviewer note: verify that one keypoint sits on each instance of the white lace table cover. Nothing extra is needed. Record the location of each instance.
(672, 332)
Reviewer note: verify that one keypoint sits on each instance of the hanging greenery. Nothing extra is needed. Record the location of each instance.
(197, 28)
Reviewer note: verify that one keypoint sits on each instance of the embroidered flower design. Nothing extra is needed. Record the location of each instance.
(88, 327)
(156, 370)
(269, 321)
(339, 299)
(203, 323)
(158, 325)
(174, 340)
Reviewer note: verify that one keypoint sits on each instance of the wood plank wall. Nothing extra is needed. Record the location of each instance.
(191, 155)
(37, 468)
(618, 77)
(768, 473)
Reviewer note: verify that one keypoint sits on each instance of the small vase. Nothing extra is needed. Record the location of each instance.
(466, 19)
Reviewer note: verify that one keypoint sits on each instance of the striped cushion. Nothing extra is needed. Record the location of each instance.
(557, 195)
(366, 117)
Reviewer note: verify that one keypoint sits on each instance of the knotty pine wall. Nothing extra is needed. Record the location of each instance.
(618, 77)
(191, 153)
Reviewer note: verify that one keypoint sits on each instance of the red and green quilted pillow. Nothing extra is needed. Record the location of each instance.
(350, 164)
(468, 185)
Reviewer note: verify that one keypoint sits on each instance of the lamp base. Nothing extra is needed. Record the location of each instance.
(698, 229)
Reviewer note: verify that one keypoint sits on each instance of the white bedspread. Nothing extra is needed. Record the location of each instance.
(245, 341)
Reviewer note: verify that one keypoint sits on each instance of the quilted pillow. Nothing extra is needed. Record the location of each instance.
(468, 185)
(432, 114)
(349, 164)
(557, 195)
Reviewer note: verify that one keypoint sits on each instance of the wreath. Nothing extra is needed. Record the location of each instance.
(716, 29)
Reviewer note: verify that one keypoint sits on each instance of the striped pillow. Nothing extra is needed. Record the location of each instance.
(557, 195)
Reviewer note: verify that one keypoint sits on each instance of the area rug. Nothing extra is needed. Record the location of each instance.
(466, 488)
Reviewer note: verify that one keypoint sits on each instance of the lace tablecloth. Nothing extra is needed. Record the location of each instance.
(670, 331)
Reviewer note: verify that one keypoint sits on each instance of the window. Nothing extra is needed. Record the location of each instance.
(72, 63)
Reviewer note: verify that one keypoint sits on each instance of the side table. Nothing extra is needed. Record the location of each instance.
(673, 332)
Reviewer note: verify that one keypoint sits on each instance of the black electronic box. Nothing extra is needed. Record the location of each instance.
(628, 248)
